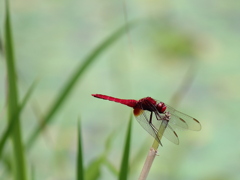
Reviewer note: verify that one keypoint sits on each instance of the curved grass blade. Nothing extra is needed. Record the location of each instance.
(80, 170)
(13, 119)
(93, 171)
(125, 159)
(1, 46)
(33, 174)
(109, 140)
(7, 168)
(108, 145)
(111, 167)
(72, 81)
(18, 149)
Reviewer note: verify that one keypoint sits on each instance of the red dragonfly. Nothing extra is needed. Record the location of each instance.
(153, 114)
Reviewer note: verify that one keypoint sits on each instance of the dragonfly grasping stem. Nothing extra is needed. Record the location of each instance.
(161, 130)
(152, 152)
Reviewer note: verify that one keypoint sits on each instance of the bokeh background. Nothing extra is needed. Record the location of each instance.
(184, 53)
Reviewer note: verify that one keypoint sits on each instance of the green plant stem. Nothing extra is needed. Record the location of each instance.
(18, 150)
(80, 169)
(11, 124)
(125, 159)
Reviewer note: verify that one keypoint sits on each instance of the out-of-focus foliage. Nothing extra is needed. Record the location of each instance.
(181, 52)
(18, 154)
(172, 43)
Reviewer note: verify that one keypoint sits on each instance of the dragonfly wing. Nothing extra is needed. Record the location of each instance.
(176, 121)
(156, 125)
(183, 120)
(171, 135)
(143, 119)
(168, 132)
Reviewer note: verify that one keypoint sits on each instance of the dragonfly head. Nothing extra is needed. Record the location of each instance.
(161, 107)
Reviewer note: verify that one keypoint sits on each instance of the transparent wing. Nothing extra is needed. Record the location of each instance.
(153, 128)
(183, 120)
(142, 118)
(176, 121)
(169, 133)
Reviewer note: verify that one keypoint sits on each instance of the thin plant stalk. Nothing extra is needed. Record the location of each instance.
(13, 107)
(80, 169)
(123, 174)
(176, 98)
(152, 152)
(185, 85)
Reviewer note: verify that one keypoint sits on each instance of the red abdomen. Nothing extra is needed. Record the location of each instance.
(129, 102)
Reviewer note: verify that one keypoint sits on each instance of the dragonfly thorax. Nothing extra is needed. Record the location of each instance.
(146, 103)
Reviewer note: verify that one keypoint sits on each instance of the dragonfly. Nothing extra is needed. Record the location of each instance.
(154, 115)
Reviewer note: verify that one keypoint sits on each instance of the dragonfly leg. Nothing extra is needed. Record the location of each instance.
(166, 116)
(159, 117)
(150, 118)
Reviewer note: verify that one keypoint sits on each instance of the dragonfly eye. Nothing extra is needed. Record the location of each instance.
(161, 107)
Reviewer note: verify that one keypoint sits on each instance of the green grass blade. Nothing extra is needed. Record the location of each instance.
(109, 140)
(7, 165)
(108, 145)
(111, 167)
(19, 158)
(80, 170)
(125, 159)
(10, 126)
(93, 171)
(33, 176)
(1, 46)
(73, 79)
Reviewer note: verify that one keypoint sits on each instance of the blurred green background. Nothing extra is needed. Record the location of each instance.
(174, 44)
